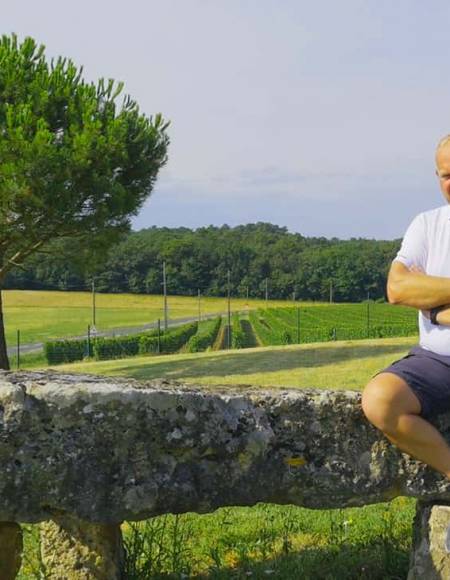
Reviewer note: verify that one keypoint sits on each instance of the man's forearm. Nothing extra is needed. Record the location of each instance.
(419, 290)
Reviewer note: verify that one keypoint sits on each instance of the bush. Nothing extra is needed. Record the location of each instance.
(205, 336)
(238, 338)
(62, 351)
(109, 348)
(106, 348)
(170, 342)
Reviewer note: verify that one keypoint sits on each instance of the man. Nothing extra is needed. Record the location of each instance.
(400, 399)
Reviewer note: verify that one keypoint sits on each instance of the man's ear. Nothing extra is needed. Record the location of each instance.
(436, 172)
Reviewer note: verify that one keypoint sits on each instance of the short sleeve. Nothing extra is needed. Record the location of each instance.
(414, 248)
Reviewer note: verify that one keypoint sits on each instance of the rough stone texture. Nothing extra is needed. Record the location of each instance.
(11, 545)
(430, 557)
(76, 550)
(108, 449)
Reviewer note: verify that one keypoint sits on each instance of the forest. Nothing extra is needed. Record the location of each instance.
(257, 256)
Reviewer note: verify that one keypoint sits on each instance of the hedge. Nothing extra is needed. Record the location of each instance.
(205, 336)
(106, 348)
(61, 351)
(170, 342)
(238, 338)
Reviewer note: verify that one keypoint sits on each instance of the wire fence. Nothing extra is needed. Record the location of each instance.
(249, 328)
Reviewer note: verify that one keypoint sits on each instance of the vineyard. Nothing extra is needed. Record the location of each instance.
(332, 322)
(261, 327)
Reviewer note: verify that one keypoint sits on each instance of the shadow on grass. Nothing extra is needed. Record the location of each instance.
(376, 560)
(257, 362)
(250, 338)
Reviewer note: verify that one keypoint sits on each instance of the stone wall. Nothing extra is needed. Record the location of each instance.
(103, 450)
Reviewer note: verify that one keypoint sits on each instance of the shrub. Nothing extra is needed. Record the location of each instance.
(205, 336)
(106, 348)
(170, 341)
(61, 351)
(238, 338)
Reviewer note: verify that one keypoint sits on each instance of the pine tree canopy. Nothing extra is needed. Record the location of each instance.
(73, 161)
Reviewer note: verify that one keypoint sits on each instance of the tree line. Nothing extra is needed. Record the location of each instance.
(200, 260)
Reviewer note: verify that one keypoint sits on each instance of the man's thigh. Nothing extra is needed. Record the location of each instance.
(389, 394)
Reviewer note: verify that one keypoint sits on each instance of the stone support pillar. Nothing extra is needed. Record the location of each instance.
(430, 557)
(11, 545)
(74, 549)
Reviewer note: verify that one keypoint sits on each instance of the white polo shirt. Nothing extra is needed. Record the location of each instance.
(427, 244)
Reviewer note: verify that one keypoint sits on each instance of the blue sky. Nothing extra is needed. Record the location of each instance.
(319, 116)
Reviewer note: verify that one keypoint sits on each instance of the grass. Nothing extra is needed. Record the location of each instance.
(278, 541)
(337, 365)
(283, 542)
(46, 315)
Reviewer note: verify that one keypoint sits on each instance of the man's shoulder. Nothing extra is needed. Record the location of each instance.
(433, 216)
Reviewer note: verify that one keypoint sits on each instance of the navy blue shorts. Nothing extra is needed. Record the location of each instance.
(428, 376)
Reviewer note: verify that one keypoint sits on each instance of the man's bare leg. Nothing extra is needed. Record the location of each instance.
(391, 406)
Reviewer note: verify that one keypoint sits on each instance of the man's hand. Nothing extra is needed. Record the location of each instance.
(443, 316)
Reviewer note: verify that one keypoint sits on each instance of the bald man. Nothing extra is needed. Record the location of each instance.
(403, 397)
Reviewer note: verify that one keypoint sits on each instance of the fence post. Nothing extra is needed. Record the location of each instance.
(89, 340)
(229, 313)
(298, 325)
(334, 333)
(18, 349)
(159, 335)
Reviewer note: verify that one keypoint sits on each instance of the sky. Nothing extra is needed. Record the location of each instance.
(318, 116)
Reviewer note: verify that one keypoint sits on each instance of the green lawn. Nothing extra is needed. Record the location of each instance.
(337, 365)
(46, 315)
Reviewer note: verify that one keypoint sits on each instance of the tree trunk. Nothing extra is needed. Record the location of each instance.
(4, 362)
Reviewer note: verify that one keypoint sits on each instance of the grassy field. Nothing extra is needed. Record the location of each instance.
(46, 315)
(337, 365)
(283, 542)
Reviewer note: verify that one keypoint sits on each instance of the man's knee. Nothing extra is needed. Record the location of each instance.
(385, 399)
(375, 405)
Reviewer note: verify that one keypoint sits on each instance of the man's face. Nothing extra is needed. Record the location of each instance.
(443, 169)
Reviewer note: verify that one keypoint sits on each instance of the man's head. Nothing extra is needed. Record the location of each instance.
(443, 166)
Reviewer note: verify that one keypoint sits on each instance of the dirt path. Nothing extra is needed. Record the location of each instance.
(221, 340)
